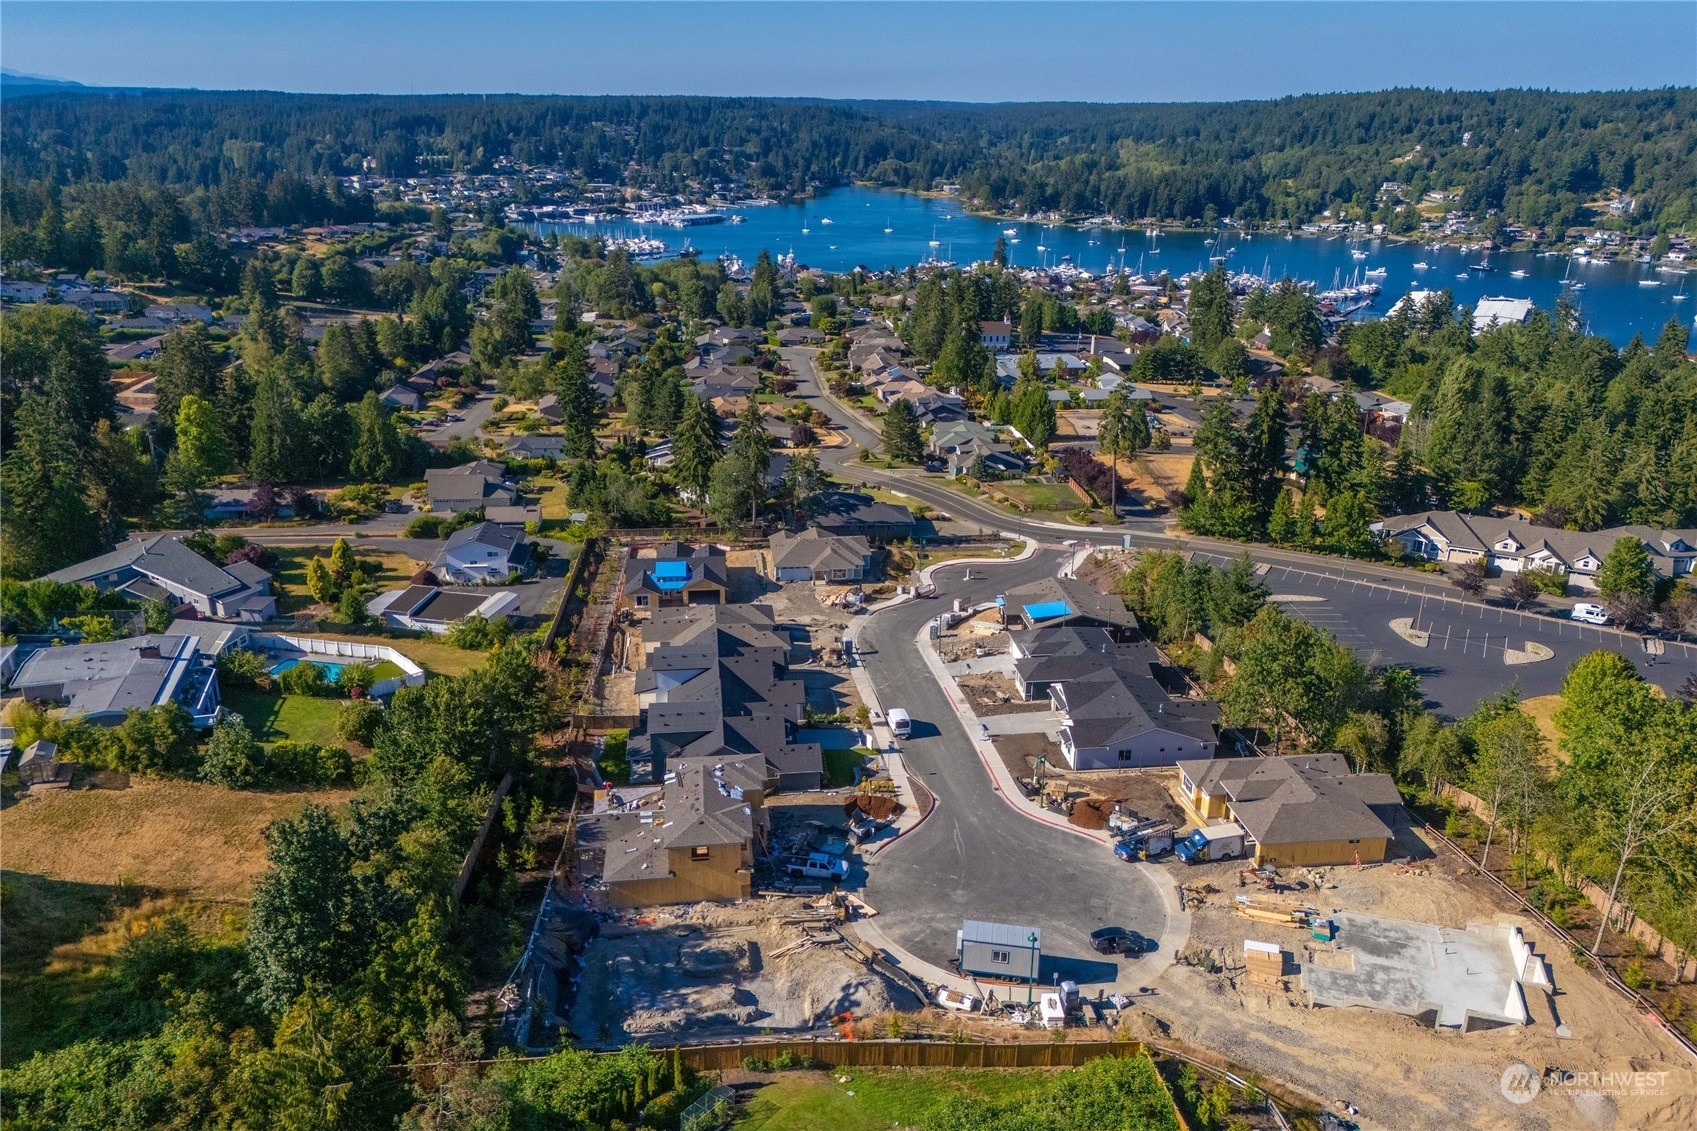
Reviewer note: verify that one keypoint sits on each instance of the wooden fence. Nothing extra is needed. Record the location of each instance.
(906, 1054)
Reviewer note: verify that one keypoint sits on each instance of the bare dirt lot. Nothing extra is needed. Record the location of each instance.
(1398, 1072)
(995, 694)
(713, 968)
(185, 838)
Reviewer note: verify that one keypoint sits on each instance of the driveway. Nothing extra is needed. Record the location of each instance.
(479, 410)
(975, 857)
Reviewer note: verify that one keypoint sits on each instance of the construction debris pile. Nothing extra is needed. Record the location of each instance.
(776, 963)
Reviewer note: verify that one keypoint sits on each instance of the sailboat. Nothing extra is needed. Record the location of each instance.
(887, 228)
(935, 242)
(1679, 295)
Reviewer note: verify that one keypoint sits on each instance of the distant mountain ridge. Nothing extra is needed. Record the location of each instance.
(17, 82)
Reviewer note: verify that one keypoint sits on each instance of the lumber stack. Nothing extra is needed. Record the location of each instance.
(1265, 963)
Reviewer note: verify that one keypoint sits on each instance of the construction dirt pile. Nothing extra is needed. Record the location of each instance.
(1399, 1072)
(715, 969)
(1091, 813)
(877, 806)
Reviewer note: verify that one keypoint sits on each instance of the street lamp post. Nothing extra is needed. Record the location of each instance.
(1033, 979)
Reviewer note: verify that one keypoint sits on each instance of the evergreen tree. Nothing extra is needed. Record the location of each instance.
(275, 432)
(695, 448)
(569, 381)
(1210, 310)
(377, 454)
(1123, 428)
(901, 438)
(750, 441)
(1282, 528)
(1264, 451)
(1626, 571)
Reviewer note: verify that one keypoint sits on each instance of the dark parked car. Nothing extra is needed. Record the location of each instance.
(1118, 940)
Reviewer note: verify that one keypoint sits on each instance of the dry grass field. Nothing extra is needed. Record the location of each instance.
(184, 838)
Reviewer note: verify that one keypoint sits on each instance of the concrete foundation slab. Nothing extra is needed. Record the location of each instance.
(1462, 979)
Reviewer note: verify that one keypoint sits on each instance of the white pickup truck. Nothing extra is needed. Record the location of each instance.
(817, 866)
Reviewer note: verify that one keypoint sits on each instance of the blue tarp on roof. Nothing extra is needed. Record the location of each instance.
(670, 575)
(1048, 610)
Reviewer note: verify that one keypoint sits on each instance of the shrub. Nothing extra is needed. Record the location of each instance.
(308, 763)
(232, 758)
(1634, 974)
(425, 577)
(478, 634)
(427, 526)
(755, 1064)
(498, 404)
(350, 607)
(359, 721)
(304, 679)
(354, 677)
(243, 667)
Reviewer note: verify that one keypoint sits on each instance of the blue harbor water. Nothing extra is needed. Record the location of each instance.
(877, 229)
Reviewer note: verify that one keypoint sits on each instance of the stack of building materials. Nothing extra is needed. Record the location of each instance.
(1266, 964)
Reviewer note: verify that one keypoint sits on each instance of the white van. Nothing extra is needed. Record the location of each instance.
(900, 725)
(1590, 614)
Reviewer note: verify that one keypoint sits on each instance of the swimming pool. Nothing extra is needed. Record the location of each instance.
(332, 672)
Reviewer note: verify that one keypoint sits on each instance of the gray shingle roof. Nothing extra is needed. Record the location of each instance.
(1290, 800)
(161, 556)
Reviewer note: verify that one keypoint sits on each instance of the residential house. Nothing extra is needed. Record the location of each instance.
(159, 567)
(677, 574)
(995, 336)
(534, 447)
(1501, 312)
(962, 443)
(241, 503)
(180, 312)
(729, 630)
(817, 555)
(99, 683)
(468, 487)
(800, 336)
(1117, 712)
(426, 608)
(695, 842)
(849, 513)
(484, 554)
(1515, 544)
(1054, 602)
(403, 397)
(1297, 811)
(724, 693)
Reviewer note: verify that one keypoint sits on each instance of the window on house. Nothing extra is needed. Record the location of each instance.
(1001, 957)
(1357, 840)
(698, 853)
(642, 601)
(1125, 755)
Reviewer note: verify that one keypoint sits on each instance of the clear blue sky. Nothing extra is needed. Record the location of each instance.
(983, 52)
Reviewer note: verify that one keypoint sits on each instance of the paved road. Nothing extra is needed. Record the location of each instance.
(975, 858)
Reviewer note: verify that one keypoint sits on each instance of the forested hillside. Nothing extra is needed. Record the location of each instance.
(1539, 156)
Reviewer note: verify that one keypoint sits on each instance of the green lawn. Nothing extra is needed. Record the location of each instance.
(806, 1101)
(275, 718)
(289, 577)
(840, 766)
(434, 655)
(1041, 496)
